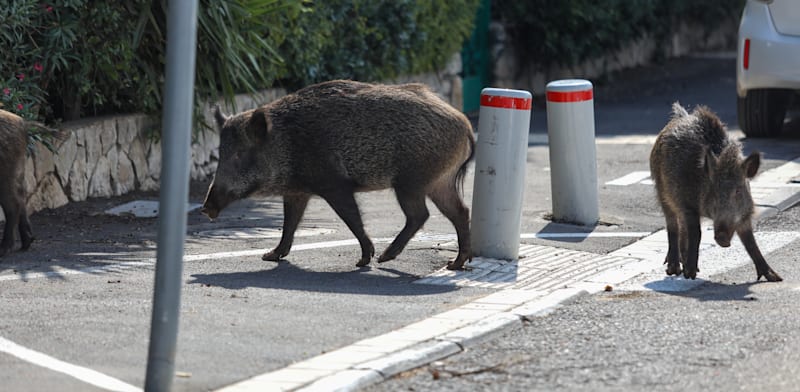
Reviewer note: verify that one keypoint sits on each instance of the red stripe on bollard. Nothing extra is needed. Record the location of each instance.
(506, 102)
(569, 96)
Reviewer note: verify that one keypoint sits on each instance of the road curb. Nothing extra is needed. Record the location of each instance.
(449, 344)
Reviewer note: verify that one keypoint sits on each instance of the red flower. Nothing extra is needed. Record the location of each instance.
(48, 8)
(21, 76)
(7, 91)
(19, 106)
(38, 67)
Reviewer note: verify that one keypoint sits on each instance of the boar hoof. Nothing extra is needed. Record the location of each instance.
(673, 268)
(364, 262)
(384, 258)
(770, 275)
(274, 255)
(689, 273)
(26, 244)
(458, 263)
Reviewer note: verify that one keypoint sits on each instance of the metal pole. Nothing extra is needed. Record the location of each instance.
(174, 193)
(573, 155)
(500, 156)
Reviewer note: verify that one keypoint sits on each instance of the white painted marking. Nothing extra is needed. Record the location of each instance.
(143, 209)
(635, 234)
(630, 179)
(778, 177)
(537, 138)
(542, 138)
(238, 233)
(781, 174)
(58, 272)
(86, 375)
(713, 259)
(626, 139)
(760, 184)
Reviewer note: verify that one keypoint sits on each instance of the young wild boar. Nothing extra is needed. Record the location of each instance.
(698, 171)
(13, 141)
(339, 137)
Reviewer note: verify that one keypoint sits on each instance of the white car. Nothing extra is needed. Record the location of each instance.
(768, 65)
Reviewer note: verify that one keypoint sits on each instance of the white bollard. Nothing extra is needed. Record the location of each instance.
(500, 158)
(573, 155)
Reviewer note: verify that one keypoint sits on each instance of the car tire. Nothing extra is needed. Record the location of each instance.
(762, 111)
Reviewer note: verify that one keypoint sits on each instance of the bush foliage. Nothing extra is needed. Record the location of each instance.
(371, 40)
(71, 58)
(567, 32)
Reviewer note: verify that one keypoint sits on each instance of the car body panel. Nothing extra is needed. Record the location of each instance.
(786, 15)
(774, 59)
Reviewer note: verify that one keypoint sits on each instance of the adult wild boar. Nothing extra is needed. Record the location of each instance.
(339, 137)
(699, 171)
(13, 141)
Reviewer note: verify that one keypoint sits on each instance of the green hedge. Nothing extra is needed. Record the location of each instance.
(374, 39)
(567, 32)
(71, 58)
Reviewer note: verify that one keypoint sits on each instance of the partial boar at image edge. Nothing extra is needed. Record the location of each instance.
(340, 137)
(13, 142)
(699, 171)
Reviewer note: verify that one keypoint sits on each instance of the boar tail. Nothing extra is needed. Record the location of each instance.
(462, 171)
(678, 111)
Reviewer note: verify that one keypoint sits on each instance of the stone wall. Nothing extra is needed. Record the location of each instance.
(687, 39)
(114, 155)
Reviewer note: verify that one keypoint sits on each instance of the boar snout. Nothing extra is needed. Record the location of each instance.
(210, 212)
(216, 200)
(723, 235)
(723, 239)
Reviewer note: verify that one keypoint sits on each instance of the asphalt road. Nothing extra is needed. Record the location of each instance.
(82, 295)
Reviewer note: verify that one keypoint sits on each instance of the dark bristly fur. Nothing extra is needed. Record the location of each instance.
(339, 137)
(13, 141)
(700, 172)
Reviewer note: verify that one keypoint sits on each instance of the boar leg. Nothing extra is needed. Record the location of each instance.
(762, 268)
(412, 202)
(448, 201)
(691, 236)
(673, 260)
(293, 207)
(11, 210)
(344, 204)
(25, 232)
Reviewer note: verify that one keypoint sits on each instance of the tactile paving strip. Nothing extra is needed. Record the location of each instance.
(538, 268)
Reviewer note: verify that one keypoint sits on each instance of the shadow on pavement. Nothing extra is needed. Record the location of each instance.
(286, 276)
(709, 291)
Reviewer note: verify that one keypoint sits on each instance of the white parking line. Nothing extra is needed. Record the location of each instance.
(60, 272)
(634, 234)
(86, 375)
(630, 178)
(57, 272)
(778, 177)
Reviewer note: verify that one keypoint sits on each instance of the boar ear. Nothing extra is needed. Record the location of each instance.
(219, 117)
(709, 163)
(259, 125)
(751, 164)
